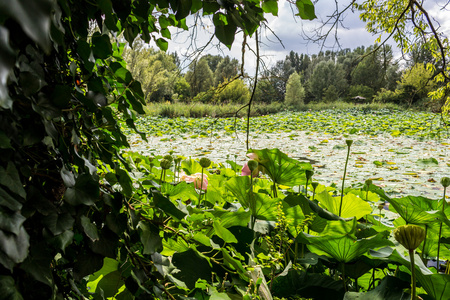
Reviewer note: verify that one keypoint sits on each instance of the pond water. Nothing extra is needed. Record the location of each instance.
(401, 165)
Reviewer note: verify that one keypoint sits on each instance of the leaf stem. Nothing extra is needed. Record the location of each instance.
(413, 275)
(440, 231)
(343, 180)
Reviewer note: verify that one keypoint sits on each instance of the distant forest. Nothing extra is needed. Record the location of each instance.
(361, 75)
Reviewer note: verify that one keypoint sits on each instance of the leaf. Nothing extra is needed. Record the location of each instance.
(58, 223)
(270, 6)
(305, 9)
(38, 264)
(8, 288)
(162, 44)
(192, 267)
(427, 161)
(167, 206)
(417, 210)
(89, 229)
(390, 288)
(240, 188)
(11, 221)
(110, 284)
(8, 201)
(343, 248)
(9, 177)
(224, 233)
(437, 286)
(150, 238)
(63, 240)
(34, 18)
(7, 59)
(15, 246)
(191, 166)
(85, 191)
(282, 169)
(124, 181)
(352, 206)
(101, 45)
(226, 33)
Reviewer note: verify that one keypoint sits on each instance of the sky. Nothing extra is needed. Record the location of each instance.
(293, 32)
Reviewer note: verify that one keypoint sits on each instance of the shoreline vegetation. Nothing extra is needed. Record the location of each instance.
(199, 110)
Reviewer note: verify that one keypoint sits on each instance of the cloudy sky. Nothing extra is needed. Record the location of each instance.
(293, 34)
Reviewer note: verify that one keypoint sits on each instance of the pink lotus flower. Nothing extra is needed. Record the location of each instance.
(246, 170)
(197, 180)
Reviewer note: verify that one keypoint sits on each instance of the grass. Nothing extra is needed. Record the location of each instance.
(199, 110)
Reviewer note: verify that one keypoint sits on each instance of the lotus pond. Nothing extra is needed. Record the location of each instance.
(406, 153)
(202, 230)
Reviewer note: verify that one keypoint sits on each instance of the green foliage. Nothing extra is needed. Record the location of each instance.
(200, 77)
(68, 198)
(233, 92)
(327, 74)
(295, 92)
(362, 91)
(416, 83)
(155, 70)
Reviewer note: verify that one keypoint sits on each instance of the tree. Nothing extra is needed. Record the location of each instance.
(416, 83)
(410, 24)
(233, 92)
(200, 77)
(325, 74)
(67, 201)
(155, 70)
(295, 92)
(226, 70)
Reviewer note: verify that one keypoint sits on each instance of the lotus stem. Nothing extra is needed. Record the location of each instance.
(413, 275)
(349, 143)
(445, 181)
(424, 243)
(200, 192)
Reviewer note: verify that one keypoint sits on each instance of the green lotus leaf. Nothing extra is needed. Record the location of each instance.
(281, 168)
(344, 248)
(352, 206)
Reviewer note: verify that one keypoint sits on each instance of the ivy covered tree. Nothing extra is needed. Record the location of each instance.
(67, 201)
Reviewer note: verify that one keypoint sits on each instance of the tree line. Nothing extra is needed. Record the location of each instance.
(362, 74)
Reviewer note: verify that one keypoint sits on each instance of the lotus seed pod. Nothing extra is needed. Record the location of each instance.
(178, 160)
(410, 236)
(309, 174)
(165, 164)
(445, 181)
(252, 165)
(368, 182)
(168, 157)
(349, 142)
(205, 162)
(314, 185)
(380, 205)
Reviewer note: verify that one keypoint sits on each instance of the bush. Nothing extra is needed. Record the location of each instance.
(387, 96)
(362, 91)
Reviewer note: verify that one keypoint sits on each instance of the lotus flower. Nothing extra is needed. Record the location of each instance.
(246, 170)
(197, 180)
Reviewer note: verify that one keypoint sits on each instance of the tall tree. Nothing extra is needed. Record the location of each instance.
(295, 92)
(227, 69)
(155, 70)
(200, 77)
(325, 74)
